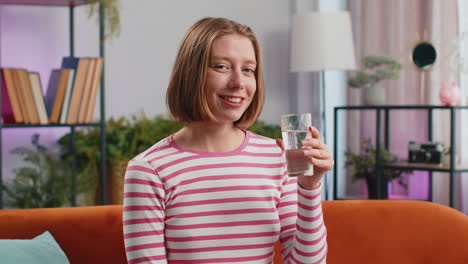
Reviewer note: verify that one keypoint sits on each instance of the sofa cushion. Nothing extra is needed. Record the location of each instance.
(41, 249)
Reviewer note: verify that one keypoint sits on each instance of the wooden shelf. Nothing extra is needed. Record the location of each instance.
(404, 197)
(49, 125)
(383, 124)
(67, 6)
(390, 197)
(426, 166)
(45, 2)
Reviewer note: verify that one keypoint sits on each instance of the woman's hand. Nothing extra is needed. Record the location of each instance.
(319, 156)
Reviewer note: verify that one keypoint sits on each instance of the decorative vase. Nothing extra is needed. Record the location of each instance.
(115, 184)
(372, 188)
(449, 94)
(446, 159)
(374, 95)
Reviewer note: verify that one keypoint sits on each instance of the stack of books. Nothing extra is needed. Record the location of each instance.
(70, 98)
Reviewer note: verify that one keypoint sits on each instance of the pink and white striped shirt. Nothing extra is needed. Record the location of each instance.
(184, 206)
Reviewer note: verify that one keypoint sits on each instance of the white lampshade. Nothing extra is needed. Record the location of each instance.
(321, 41)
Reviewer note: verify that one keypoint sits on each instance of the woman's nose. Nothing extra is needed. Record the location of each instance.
(237, 79)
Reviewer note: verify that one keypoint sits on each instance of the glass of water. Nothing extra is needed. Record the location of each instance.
(294, 129)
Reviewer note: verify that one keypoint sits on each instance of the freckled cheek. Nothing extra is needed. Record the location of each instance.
(215, 80)
(252, 89)
(214, 85)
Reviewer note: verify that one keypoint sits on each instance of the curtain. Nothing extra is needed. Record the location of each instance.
(463, 62)
(393, 28)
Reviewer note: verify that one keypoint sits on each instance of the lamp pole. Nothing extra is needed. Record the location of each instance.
(324, 127)
(321, 41)
(324, 106)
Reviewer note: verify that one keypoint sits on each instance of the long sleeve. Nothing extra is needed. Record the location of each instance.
(144, 213)
(303, 232)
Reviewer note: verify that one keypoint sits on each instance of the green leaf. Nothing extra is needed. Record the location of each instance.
(376, 68)
(43, 181)
(362, 165)
(126, 138)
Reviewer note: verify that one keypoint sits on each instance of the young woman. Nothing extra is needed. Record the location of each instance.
(214, 192)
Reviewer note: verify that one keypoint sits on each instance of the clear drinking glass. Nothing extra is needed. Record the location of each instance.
(294, 129)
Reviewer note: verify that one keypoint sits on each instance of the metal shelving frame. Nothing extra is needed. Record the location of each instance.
(70, 4)
(452, 169)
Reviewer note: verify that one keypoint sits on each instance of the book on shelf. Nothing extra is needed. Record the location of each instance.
(77, 91)
(56, 93)
(94, 90)
(70, 98)
(38, 96)
(7, 112)
(70, 63)
(52, 89)
(81, 66)
(15, 75)
(11, 110)
(24, 96)
(66, 99)
(28, 93)
(86, 91)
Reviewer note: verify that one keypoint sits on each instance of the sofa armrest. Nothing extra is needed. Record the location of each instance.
(378, 231)
(86, 234)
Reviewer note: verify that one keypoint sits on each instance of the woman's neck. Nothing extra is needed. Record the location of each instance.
(210, 137)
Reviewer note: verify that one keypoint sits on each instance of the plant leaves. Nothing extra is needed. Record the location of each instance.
(362, 165)
(43, 181)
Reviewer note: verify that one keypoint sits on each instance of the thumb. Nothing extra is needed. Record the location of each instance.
(280, 143)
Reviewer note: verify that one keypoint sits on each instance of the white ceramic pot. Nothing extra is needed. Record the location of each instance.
(374, 95)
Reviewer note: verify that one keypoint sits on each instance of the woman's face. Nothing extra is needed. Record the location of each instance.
(230, 82)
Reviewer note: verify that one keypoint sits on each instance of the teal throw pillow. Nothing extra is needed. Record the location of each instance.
(42, 249)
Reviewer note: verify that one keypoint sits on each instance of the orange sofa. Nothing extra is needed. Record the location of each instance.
(358, 232)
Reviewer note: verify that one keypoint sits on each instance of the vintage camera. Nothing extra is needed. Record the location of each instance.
(426, 152)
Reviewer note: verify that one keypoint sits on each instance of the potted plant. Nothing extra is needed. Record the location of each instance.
(376, 69)
(362, 167)
(111, 15)
(126, 138)
(43, 181)
(266, 130)
(446, 157)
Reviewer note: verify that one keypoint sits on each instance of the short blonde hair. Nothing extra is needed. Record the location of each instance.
(186, 97)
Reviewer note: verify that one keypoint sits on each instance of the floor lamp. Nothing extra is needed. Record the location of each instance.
(320, 42)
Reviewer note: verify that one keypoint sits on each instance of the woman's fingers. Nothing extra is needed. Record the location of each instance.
(315, 133)
(318, 153)
(280, 143)
(313, 143)
(323, 164)
(314, 148)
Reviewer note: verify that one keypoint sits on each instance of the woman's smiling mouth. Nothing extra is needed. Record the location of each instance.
(232, 99)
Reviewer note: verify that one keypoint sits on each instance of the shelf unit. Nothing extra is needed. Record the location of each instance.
(70, 5)
(384, 110)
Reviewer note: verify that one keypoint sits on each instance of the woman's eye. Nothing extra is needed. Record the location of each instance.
(249, 70)
(220, 67)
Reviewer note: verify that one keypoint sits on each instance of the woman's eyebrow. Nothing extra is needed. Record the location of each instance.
(219, 58)
(248, 61)
(251, 62)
